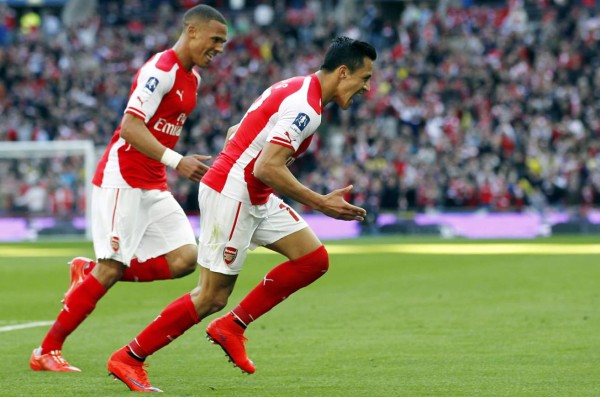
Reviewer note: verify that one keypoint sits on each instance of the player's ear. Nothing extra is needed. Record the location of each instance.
(342, 72)
(191, 30)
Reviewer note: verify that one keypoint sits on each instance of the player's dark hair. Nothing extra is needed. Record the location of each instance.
(204, 13)
(346, 51)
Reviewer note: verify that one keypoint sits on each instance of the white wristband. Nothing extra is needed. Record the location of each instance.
(171, 158)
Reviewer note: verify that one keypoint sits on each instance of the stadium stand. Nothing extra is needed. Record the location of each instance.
(477, 105)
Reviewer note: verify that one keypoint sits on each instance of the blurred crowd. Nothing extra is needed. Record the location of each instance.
(471, 106)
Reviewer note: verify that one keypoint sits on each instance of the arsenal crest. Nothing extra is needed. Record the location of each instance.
(114, 243)
(229, 255)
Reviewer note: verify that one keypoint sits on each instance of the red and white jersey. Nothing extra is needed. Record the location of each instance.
(288, 114)
(163, 94)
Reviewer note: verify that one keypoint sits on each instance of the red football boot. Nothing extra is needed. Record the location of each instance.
(228, 334)
(80, 267)
(130, 371)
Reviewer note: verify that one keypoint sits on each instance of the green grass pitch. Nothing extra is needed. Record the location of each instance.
(393, 317)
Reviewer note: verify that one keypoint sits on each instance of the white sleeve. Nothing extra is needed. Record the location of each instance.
(297, 121)
(152, 85)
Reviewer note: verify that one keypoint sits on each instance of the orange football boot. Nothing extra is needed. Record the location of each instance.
(53, 361)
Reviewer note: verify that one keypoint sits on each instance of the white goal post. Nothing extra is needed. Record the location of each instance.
(52, 149)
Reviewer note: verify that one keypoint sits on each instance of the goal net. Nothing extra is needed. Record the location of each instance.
(45, 189)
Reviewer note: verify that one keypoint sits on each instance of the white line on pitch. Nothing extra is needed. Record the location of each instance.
(26, 325)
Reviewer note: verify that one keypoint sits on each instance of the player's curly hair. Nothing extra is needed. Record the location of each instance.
(203, 12)
(346, 51)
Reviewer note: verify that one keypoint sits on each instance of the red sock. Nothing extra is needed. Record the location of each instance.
(177, 318)
(80, 303)
(150, 270)
(281, 282)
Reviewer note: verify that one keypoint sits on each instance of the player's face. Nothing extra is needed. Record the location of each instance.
(354, 83)
(206, 41)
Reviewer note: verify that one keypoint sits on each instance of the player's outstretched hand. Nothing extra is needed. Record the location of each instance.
(192, 167)
(336, 207)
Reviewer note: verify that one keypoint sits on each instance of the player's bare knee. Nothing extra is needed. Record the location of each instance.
(186, 268)
(108, 272)
(183, 260)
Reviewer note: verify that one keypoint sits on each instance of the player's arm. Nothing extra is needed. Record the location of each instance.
(230, 133)
(271, 169)
(135, 133)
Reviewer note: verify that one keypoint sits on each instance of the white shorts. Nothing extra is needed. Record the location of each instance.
(137, 222)
(229, 228)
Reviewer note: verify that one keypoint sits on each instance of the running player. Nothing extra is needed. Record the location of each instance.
(239, 212)
(140, 232)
